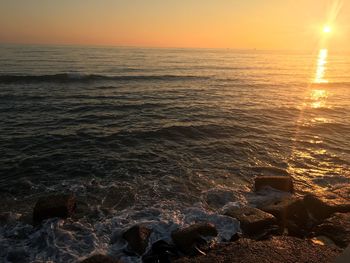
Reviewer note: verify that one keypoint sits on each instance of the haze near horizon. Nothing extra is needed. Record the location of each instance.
(264, 24)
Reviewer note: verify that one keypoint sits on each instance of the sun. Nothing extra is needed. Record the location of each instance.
(327, 29)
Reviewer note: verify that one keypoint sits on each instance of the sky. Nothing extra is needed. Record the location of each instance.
(243, 24)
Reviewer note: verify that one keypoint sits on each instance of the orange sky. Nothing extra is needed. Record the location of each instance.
(262, 24)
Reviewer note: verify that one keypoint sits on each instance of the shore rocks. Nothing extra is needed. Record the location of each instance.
(274, 250)
(18, 256)
(137, 237)
(291, 214)
(253, 221)
(5, 218)
(162, 252)
(187, 239)
(61, 206)
(282, 183)
(337, 228)
(322, 207)
(100, 259)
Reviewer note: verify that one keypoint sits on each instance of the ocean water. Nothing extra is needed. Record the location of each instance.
(160, 136)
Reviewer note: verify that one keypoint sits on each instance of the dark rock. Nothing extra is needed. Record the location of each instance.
(322, 207)
(282, 183)
(337, 228)
(100, 259)
(18, 256)
(137, 237)
(274, 250)
(188, 239)
(291, 214)
(61, 206)
(5, 218)
(235, 237)
(344, 257)
(253, 221)
(217, 198)
(162, 252)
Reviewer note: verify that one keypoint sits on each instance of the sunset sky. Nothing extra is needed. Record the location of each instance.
(261, 24)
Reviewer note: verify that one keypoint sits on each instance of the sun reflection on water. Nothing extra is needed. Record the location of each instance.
(310, 160)
(318, 98)
(321, 66)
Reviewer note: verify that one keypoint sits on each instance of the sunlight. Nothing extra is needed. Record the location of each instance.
(321, 66)
(327, 29)
(318, 98)
(318, 94)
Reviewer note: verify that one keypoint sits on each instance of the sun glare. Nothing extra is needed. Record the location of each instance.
(327, 29)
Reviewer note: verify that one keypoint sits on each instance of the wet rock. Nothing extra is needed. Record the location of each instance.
(282, 183)
(337, 228)
(61, 206)
(18, 256)
(322, 207)
(344, 257)
(217, 198)
(253, 221)
(137, 237)
(162, 252)
(5, 218)
(274, 250)
(100, 259)
(189, 239)
(235, 237)
(291, 214)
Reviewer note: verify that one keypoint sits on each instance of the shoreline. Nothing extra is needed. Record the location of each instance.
(318, 221)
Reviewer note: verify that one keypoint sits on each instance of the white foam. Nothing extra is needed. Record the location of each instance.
(69, 241)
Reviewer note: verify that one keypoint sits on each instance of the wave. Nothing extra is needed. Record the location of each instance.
(336, 84)
(72, 77)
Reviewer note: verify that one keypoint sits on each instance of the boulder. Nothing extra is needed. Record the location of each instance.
(100, 259)
(344, 257)
(5, 218)
(274, 250)
(189, 238)
(253, 221)
(61, 206)
(291, 214)
(337, 228)
(281, 183)
(161, 251)
(323, 206)
(18, 256)
(137, 237)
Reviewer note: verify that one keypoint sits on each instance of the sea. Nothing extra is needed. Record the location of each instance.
(162, 137)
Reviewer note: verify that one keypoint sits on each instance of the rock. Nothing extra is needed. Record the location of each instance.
(344, 257)
(137, 237)
(337, 228)
(217, 198)
(253, 221)
(291, 214)
(282, 183)
(275, 250)
(235, 237)
(100, 259)
(18, 256)
(322, 207)
(161, 251)
(61, 206)
(187, 239)
(5, 218)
